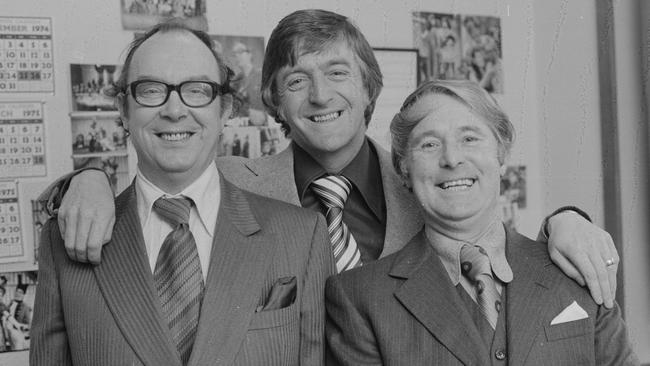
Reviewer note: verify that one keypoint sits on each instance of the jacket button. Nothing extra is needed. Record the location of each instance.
(500, 354)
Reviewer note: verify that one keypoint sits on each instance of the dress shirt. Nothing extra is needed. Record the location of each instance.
(203, 216)
(365, 209)
(493, 240)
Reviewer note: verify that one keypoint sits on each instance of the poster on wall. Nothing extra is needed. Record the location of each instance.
(17, 293)
(11, 241)
(89, 85)
(513, 194)
(143, 14)
(452, 46)
(26, 59)
(22, 140)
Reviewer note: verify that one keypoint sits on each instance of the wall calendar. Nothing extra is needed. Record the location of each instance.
(22, 140)
(26, 60)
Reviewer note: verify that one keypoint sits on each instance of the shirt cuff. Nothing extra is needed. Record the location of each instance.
(52, 196)
(545, 233)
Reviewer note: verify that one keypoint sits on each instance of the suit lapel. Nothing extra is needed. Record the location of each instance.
(430, 296)
(528, 299)
(403, 217)
(238, 264)
(274, 177)
(126, 283)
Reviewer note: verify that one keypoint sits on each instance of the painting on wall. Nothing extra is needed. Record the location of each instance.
(17, 292)
(452, 47)
(143, 14)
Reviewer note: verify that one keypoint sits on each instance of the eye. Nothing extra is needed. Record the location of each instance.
(471, 139)
(428, 145)
(297, 83)
(339, 74)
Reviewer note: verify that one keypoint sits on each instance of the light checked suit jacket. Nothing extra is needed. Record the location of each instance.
(273, 176)
(404, 310)
(109, 314)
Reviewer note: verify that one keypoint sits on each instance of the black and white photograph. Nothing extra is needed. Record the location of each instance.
(17, 291)
(97, 134)
(459, 47)
(89, 83)
(143, 14)
(245, 56)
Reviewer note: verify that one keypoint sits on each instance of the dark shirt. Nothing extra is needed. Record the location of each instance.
(365, 210)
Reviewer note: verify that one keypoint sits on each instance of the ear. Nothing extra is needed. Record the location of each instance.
(406, 177)
(120, 101)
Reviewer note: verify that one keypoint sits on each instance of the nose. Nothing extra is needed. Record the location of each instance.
(452, 156)
(174, 109)
(320, 91)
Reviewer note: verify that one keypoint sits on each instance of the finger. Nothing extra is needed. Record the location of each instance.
(602, 277)
(70, 228)
(84, 226)
(613, 269)
(611, 273)
(589, 272)
(568, 268)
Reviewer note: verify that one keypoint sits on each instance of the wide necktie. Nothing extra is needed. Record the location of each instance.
(333, 191)
(475, 265)
(178, 275)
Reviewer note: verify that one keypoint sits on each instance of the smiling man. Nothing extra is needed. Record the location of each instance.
(320, 80)
(464, 291)
(198, 271)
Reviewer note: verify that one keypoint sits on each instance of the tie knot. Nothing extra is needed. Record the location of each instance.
(175, 210)
(333, 190)
(474, 262)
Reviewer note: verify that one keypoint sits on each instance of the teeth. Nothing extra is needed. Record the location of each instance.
(325, 117)
(457, 184)
(175, 136)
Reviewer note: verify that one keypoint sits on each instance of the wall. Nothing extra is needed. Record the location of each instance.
(551, 97)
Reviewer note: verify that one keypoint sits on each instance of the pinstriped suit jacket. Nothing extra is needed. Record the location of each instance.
(273, 176)
(404, 310)
(109, 314)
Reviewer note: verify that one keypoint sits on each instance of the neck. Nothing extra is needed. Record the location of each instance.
(171, 182)
(335, 161)
(468, 230)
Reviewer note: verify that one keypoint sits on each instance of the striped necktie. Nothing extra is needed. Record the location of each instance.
(333, 191)
(475, 265)
(178, 276)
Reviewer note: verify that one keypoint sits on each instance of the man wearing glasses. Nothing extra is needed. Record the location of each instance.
(194, 275)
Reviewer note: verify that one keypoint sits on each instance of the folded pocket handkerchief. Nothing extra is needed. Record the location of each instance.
(570, 313)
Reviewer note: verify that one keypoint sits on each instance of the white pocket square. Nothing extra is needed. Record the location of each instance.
(571, 313)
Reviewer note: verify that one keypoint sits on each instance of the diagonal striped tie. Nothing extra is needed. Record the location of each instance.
(333, 191)
(178, 276)
(475, 265)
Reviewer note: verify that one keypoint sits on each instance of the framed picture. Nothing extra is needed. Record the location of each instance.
(97, 134)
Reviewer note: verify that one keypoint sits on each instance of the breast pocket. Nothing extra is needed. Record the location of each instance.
(274, 318)
(568, 330)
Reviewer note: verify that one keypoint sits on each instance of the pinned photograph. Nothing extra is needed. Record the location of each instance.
(98, 134)
(17, 292)
(89, 83)
(143, 14)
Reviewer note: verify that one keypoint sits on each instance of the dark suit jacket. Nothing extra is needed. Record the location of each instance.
(404, 310)
(110, 314)
(273, 176)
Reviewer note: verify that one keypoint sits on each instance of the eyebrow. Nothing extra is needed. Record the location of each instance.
(193, 77)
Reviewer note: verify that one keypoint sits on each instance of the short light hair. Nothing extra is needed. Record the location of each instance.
(469, 93)
(169, 26)
(309, 31)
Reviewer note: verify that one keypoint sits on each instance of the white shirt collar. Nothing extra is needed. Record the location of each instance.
(204, 191)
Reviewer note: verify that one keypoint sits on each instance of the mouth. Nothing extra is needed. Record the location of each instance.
(175, 136)
(457, 184)
(328, 117)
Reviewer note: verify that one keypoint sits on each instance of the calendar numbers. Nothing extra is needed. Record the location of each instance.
(22, 140)
(26, 60)
(10, 234)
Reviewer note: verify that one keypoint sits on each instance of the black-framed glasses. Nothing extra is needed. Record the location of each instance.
(193, 93)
